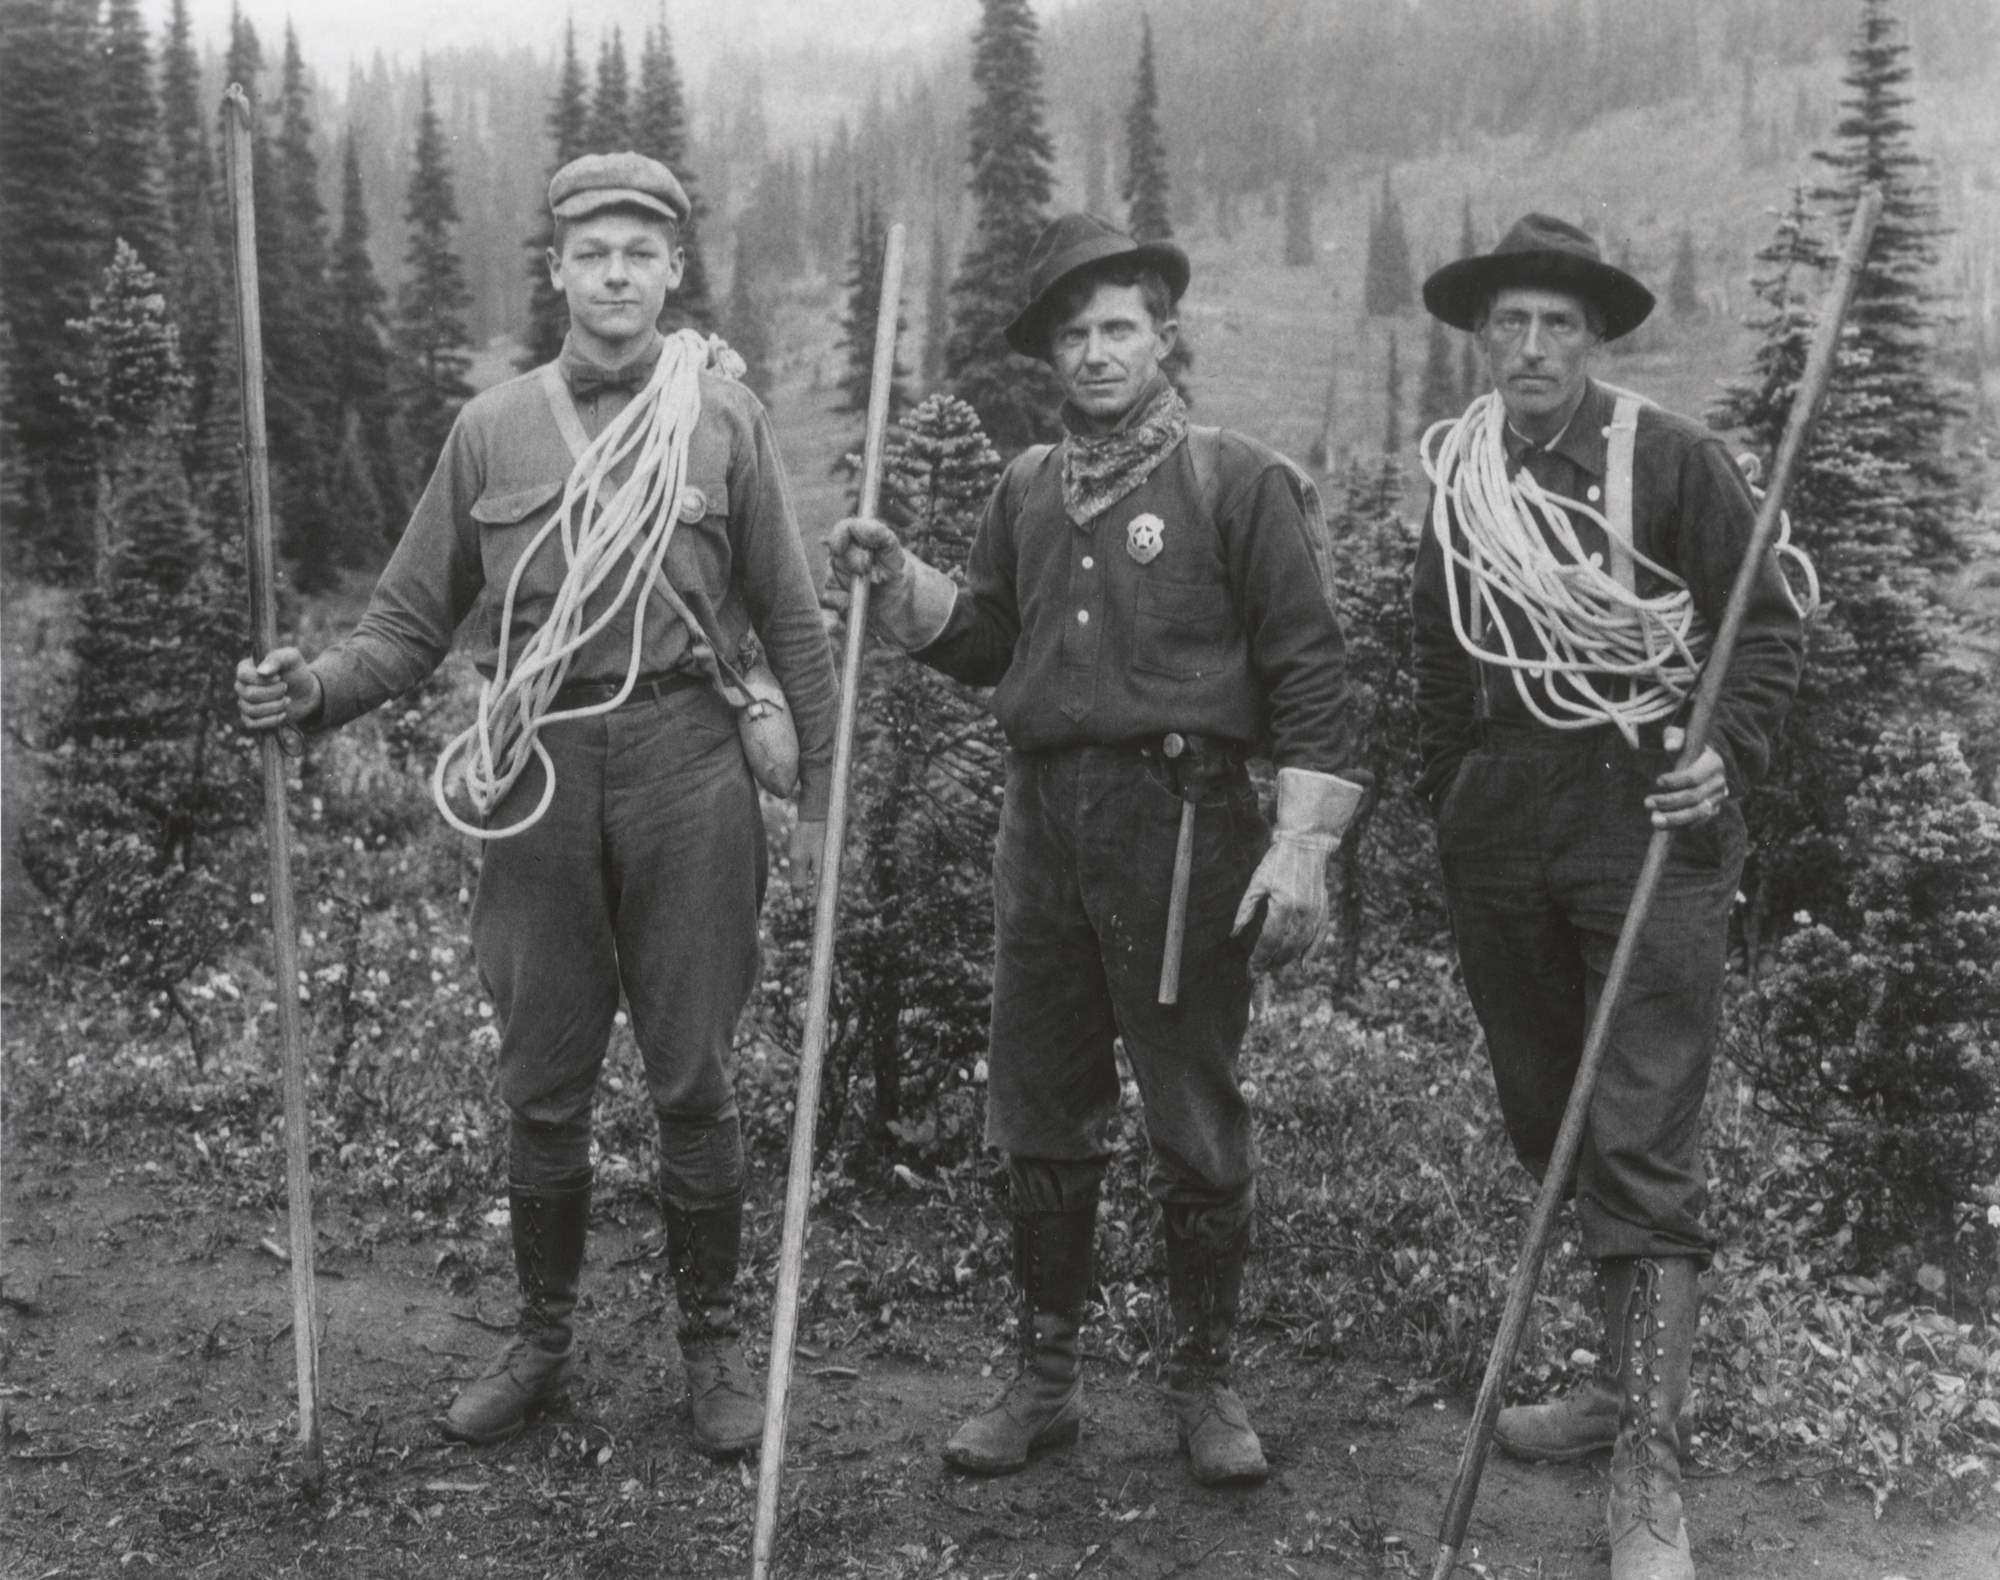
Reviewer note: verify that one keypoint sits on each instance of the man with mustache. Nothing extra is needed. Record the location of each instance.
(1581, 548)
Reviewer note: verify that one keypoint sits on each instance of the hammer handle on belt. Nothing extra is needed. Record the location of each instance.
(1170, 960)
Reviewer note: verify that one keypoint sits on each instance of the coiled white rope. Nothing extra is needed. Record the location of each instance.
(1518, 546)
(631, 527)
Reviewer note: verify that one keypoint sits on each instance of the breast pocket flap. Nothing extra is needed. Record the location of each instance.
(509, 509)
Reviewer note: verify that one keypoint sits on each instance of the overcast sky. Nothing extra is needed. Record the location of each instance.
(334, 33)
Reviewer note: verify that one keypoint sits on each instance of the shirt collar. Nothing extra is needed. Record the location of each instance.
(1582, 441)
(573, 359)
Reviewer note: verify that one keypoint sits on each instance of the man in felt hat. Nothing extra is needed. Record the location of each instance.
(1149, 602)
(1549, 729)
(645, 873)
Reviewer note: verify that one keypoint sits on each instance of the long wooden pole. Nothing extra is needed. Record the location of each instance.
(1813, 382)
(277, 826)
(812, 1054)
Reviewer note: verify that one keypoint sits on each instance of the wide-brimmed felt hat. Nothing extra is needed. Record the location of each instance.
(625, 180)
(1069, 244)
(1539, 251)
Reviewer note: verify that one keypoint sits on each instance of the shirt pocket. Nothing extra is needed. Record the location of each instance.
(1183, 630)
(698, 554)
(508, 521)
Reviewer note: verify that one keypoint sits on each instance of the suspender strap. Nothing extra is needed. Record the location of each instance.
(563, 409)
(1618, 490)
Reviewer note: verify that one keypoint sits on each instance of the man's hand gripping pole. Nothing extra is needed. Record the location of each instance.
(1813, 382)
(812, 1052)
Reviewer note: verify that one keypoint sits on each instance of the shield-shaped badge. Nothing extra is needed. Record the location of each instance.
(1145, 537)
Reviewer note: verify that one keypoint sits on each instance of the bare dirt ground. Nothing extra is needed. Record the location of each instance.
(147, 1384)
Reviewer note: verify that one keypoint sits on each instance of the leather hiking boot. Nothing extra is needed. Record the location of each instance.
(1040, 1408)
(519, 1383)
(1204, 1289)
(1585, 1420)
(549, 1226)
(725, 1397)
(1042, 1405)
(1214, 1429)
(1649, 1539)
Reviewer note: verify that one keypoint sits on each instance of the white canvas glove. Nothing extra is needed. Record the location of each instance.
(1314, 810)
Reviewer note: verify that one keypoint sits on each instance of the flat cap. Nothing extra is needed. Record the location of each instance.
(597, 181)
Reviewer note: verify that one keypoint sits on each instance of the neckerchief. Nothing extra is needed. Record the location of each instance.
(588, 379)
(1099, 469)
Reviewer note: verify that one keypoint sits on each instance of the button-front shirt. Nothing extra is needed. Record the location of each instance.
(498, 483)
(1160, 614)
(1693, 514)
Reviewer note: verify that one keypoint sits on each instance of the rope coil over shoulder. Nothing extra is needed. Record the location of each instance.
(1518, 547)
(601, 526)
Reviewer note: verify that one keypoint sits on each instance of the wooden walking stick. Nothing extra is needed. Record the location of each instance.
(277, 829)
(798, 1187)
(1813, 382)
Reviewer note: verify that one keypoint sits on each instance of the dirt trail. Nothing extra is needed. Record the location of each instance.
(146, 1383)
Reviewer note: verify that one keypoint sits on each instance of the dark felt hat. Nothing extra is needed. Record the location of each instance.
(1073, 242)
(627, 180)
(1542, 252)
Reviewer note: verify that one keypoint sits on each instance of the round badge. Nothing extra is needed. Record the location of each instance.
(1145, 537)
(694, 503)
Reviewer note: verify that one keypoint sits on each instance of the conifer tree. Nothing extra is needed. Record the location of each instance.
(127, 142)
(1878, 628)
(297, 308)
(1437, 395)
(1684, 283)
(1301, 251)
(864, 311)
(188, 175)
(1896, 301)
(611, 109)
(926, 797)
(1096, 177)
(1145, 186)
(937, 309)
(430, 318)
(746, 330)
(144, 772)
(568, 123)
(1389, 886)
(660, 131)
(1012, 180)
(1392, 400)
(1471, 376)
(52, 245)
(362, 373)
(128, 391)
(1386, 287)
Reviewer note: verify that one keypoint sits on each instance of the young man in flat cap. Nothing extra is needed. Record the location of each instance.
(1149, 603)
(645, 872)
(1581, 549)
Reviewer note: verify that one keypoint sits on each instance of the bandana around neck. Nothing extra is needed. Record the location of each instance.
(1099, 469)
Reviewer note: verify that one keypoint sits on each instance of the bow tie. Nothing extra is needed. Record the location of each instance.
(587, 381)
